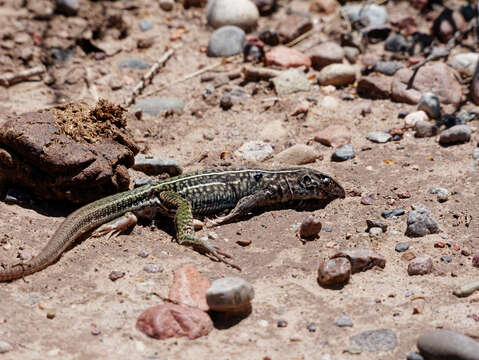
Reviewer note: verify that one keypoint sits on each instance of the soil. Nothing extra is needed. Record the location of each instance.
(72, 310)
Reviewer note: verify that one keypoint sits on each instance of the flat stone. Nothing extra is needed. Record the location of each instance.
(420, 222)
(392, 213)
(145, 25)
(334, 135)
(241, 13)
(230, 294)
(344, 321)
(286, 57)
(344, 153)
(420, 265)
(154, 166)
(361, 259)
(465, 63)
(291, 81)
(436, 77)
(5, 347)
(411, 119)
(388, 68)
(298, 154)
(293, 26)
(379, 137)
(425, 129)
(133, 63)
(156, 106)
(226, 41)
(375, 340)
(255, 151)
(447, 345)
(457, 134)
(172, 320)
(273, 131)
(325, 54)
(337, 75)
(334, 272)
(374, 87)
(402, 246)
(189, 288)
(368, 14)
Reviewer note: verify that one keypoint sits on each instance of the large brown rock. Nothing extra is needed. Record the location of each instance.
(72, 152)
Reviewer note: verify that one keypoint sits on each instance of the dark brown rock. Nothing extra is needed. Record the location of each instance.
(189, 288)
(334, 272)
(171, 320)
(293, 26)
(362, 259)
(310, 227)
(374, 87)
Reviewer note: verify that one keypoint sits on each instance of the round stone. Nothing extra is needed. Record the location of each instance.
(226, 41)
(241, 13)
(230, 294)
(430, 104)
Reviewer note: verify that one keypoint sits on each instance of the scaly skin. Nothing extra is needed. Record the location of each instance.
(182, 197)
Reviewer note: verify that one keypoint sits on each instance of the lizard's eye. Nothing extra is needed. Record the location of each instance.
(306, 181)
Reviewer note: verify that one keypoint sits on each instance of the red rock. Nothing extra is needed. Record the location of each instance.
(374, 87)
(436, 77)
(334, 135)
(334, 272)
(189, 288)
(475, 260)
(310, 227)
(171, 320)
(368, 199)
(421, 265)
(286, 57)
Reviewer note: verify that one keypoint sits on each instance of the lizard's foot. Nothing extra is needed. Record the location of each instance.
(116, 226)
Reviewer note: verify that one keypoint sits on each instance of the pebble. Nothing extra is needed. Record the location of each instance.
(145, 25)
(157, 106)
(411, 119)
(334, 135)
(337, 75)
(15, 196)
(151, 165)
(344, 321)
(475, 260)
(414, 356)
(375, 340)
(446, 258)
(344, 153)
(310, 227)
(467, 289)
(115, 275)
(255, 151)
(269, 37)
(134, 63)
(5, 347)
(230, 294)
(291, 81)
(375, 232)
(425, 129)
(402, 246)
(226, 41)
(376, 223)
(167, 5)
(396, 43)
(241, 13)
(67, 7)
(361, 259)
(312, 327)
(143, 254)
(420, 265)
(189, 288)
(282, 323)
(421, 222)
(325, 54)
(379, 137)
(334, 272)
(298, 154)
(388, 68)
(172, 320)
(286, 57)
(153, 268)
(367, 15)
(328, 228)
(442, 193)
(374, 87)
(464, 63)
(446, 344)
(455, 135)
(368, 199)
(429, 103)
(351, 53)
(391, 213)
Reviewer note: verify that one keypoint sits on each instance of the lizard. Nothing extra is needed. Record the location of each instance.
(183, 197)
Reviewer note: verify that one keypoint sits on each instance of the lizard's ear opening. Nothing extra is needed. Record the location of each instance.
(307, 182)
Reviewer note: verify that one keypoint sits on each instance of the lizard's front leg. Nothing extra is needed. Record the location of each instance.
(184, 226)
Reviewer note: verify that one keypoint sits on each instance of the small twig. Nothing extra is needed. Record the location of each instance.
(300, 38)
(10, 79)
(251, 73)
(148, 77)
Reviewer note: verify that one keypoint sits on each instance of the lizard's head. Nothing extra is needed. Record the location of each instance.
(315, 184)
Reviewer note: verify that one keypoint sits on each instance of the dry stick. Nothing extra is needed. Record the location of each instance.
(10, 79)
(300, 38)
(148, 76)
(251, 73)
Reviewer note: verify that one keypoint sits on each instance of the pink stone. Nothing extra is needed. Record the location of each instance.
(189, 288)
(286, 57)
(334, 135)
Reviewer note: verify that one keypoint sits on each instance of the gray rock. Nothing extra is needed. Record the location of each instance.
(344, 153)
(241, 13)
(429, 103)
(391, 213)
(475, 154)
(67, 7)
(387, 67)
(255, 151)
(455, 135)
(291, 81)
(145, 25)
(396, 43)
(375, 231)
(230, 294)
(464, 63)
(156, 106)
(414, 356)
(402, 246)
(367, 15)
(379, 137)
(420, 265)
(5, 347)
(153, 268)
(351, 53)
(133, 63)
(226, 41)
(447, 345)
(344, 321)
(375, 340)
(420, 222)
(446, 258)
(425, 129)
(154, 166)
(442, 193)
